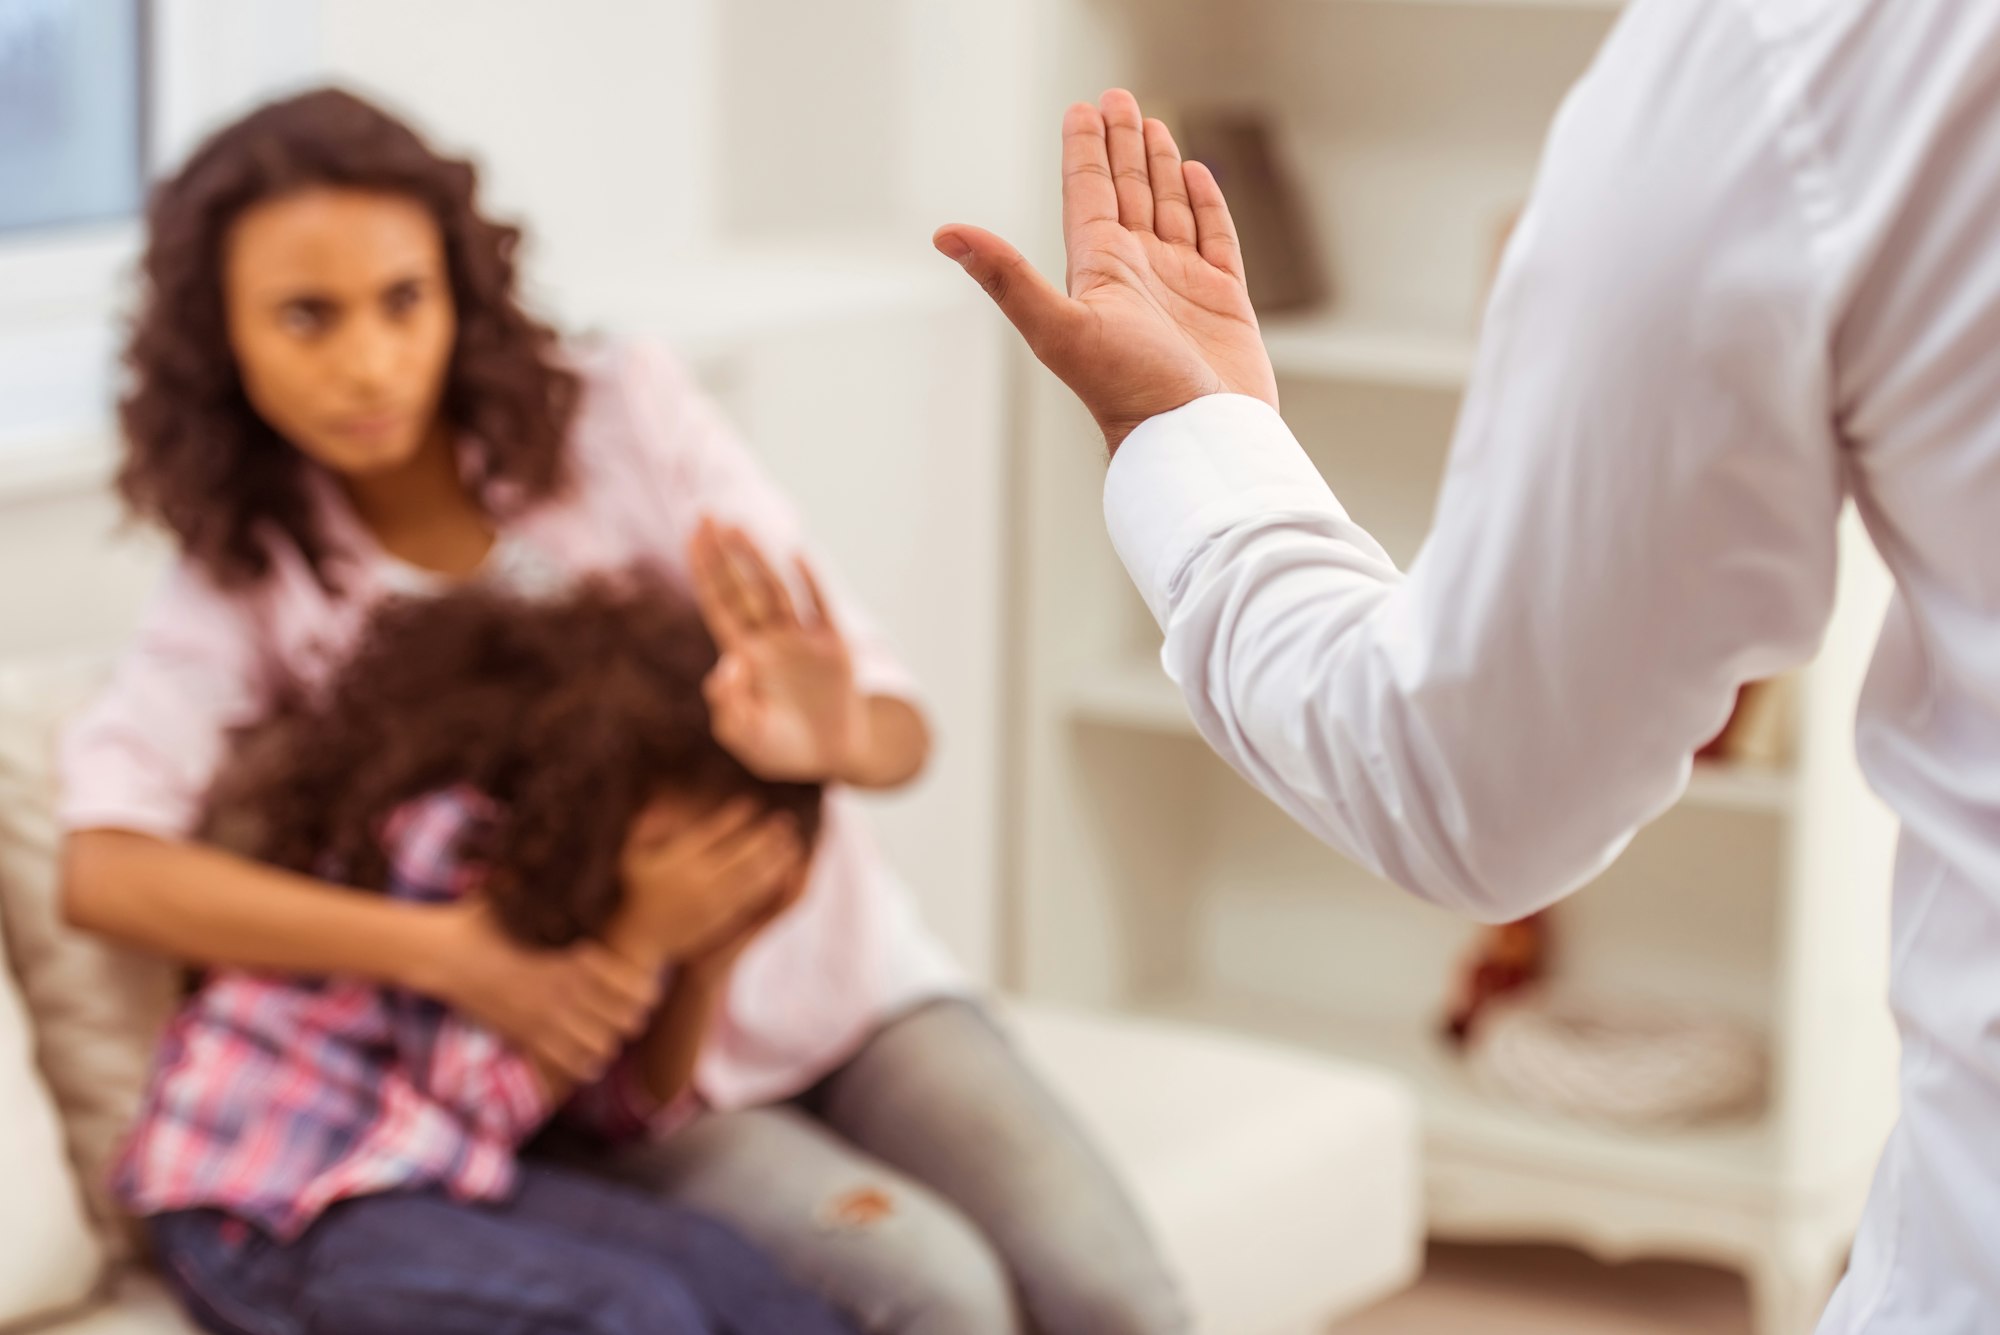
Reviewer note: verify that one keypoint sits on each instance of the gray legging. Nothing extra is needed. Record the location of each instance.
(932, 1186)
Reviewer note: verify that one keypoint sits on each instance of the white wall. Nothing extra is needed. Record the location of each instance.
(884, 429)
(592, 121)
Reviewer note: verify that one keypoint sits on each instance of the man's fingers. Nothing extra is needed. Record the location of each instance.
(1216, 230)
(1042, 314)
(1173, 215)
(1125, 147)
(1088, 194)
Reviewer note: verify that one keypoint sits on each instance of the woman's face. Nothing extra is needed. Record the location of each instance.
(340, 316)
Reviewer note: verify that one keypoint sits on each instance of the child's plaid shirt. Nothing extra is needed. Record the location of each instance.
(272, 1097)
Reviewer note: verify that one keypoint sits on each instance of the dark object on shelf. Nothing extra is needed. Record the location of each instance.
(1279, 253)
(1509, 958)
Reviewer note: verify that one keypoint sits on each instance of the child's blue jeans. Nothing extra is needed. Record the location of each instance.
(569, 1255)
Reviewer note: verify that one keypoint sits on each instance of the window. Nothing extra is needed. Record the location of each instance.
(72, 112)
(95, 96)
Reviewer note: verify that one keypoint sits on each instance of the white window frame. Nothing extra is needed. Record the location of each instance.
(65, 292)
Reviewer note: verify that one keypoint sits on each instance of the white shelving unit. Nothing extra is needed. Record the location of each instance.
(1150, 878)
(1337, 349)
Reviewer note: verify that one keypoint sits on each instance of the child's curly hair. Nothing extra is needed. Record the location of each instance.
(570, 715)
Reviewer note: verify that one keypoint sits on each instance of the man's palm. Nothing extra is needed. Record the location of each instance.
(1157, 312)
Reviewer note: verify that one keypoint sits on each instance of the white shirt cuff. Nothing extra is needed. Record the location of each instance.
(1184, 476)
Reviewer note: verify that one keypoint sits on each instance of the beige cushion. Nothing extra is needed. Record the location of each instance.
(1283, 1187)
(51, 1259)
(97, 1010)
(138, 1306)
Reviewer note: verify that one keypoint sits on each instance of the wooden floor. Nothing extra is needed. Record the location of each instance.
(1546, 1291)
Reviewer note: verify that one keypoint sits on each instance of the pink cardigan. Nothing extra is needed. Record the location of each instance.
(651, 456)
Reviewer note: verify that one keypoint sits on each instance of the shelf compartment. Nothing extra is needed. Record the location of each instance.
(1140, 696)
(1344, 348)
(1734, 1163)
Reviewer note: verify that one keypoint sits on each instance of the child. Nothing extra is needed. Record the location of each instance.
(332, 1155)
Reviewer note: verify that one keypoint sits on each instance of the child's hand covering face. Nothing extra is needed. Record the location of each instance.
(692, 878)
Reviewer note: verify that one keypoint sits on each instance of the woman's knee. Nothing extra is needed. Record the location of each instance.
(1087, 1274)
(931, 1272)
(946, 1277)
(1087, 1303)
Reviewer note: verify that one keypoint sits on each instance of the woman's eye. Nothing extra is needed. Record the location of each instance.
(302, 318)
(404, 298)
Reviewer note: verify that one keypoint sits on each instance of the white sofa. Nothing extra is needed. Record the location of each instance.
(1285, 1188)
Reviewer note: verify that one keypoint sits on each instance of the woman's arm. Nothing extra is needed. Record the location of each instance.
(571, 1009)
(894, 746)
(208, 907)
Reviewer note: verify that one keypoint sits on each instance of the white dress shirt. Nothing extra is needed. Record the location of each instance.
(1760, 274)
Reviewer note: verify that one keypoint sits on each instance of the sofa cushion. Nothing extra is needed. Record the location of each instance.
(1284, 1187)
(138, 1305)
(52, 1259)
(97, 1010)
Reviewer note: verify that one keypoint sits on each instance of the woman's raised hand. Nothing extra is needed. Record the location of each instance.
(783, 695)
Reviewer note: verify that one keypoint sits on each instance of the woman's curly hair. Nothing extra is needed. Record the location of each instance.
(198, 457)
(568, 714)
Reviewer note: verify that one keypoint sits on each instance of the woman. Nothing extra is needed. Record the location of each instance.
(336, 398)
